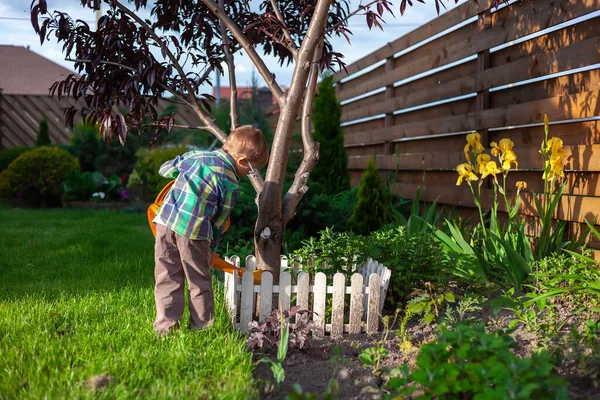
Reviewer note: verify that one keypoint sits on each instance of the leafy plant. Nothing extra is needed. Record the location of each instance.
(8, 155)
(82, 186)
(468, 362)
(148, 163)
(464, 310)
(373, 356)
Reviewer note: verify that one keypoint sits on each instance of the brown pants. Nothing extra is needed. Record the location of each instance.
(177, 258)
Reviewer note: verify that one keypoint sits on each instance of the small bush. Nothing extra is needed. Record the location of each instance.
(148, 164)
(85, 146)
(370, 212)
(92, 186)
(8, 155)
(470, 363)
(36, 176)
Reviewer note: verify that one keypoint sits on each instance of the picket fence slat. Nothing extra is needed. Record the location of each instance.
(266, 296)
(356, 303)
(337, 304)
(247, 302)
(319, 303)
(285, 290)
(367, 291)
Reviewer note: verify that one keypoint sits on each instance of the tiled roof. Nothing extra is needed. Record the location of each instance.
(24, 72)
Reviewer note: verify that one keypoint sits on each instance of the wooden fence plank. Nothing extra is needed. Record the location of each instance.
(578, 158)
(373, 308)
(285, 290)
(266, 296)
(508, 24)
(247, 302)
(386, 275)
(446, 21)
(320, 295)
(337, 304)
(356, 303)
(570, 208)
(580, 105)
(250, 263)
(563, 59)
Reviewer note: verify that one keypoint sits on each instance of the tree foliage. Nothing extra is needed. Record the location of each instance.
(371, 208)
(332, 170)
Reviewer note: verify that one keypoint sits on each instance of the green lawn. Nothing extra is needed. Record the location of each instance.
(76, 301)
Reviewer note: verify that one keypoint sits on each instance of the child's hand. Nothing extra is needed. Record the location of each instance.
(213, 256)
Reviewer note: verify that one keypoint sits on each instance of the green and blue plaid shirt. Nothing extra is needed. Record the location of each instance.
(206, 189)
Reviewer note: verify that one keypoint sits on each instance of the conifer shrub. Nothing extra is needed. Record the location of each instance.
(36, 176)
(370, 212)
(331, 172)
(43, 135)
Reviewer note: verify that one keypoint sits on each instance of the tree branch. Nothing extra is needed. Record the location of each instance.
(116, 64)
(237, 33)
(233, 103)
(210, 124)
(310, 146)
(353, 13)
(286, 32)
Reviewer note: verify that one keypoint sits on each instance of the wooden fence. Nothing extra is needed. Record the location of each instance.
(365, 296)
(495, 71)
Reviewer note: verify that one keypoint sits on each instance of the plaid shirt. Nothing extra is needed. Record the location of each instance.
(206, 189)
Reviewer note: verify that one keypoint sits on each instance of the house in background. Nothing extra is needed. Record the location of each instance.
(263, 95)
(25, 78)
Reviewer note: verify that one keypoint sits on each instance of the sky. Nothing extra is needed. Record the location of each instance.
(15, 29)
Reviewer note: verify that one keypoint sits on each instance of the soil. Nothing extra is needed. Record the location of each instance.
(328, 358)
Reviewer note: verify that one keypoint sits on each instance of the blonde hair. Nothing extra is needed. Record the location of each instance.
(249, 141)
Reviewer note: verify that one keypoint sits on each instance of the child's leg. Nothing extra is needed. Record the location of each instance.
(195, 255)
(169, 277)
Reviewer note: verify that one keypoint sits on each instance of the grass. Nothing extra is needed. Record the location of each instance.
(76, 301)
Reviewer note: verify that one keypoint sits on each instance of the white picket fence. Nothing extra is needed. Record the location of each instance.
(367, 293)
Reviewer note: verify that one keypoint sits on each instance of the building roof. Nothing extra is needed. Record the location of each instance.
(25, 78)
(24, 72)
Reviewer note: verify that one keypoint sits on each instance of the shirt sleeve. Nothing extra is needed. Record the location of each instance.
(219, 220)
(170, 169)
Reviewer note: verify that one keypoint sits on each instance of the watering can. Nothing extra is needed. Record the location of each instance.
(218, 263)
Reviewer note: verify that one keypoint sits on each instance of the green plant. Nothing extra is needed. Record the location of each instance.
(331, 172)
(148, 164)
(43, 135)
(36, 176)
(8, 155)
(373, 356)
(468, 362)
(464, 310)
(85, 145)
(370, 211)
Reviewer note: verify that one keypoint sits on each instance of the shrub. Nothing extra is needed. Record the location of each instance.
(332, 170)
(85, 146)
(148, 164)
(43, 136)
(413, 259)
(370, 211)
(469, 363)
(8, 155)
(36, 176)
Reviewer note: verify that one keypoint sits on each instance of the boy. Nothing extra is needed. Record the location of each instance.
(191, 220)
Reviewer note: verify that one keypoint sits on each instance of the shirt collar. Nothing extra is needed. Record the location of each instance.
(223, 155)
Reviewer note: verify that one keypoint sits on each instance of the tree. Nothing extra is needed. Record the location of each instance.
(131, 62)
(332, 170)
(371, 207)
(43, 136)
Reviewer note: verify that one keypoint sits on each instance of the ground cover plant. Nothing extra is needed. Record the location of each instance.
(76, 312)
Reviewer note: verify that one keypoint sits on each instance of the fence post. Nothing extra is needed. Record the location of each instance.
(373, 307)
(319, 301)
(356, 302)
(337, 305)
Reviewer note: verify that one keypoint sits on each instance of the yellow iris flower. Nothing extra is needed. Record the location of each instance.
(482, 160)
(506, 145)
(508, 158)
(490, 169)
(521, 185)
(473, 143)
(555, 163)
(495, 149)
(465, 171)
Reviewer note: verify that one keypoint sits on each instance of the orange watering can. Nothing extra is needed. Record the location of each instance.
(218, 262)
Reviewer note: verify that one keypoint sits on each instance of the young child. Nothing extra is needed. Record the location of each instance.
(191, 220)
